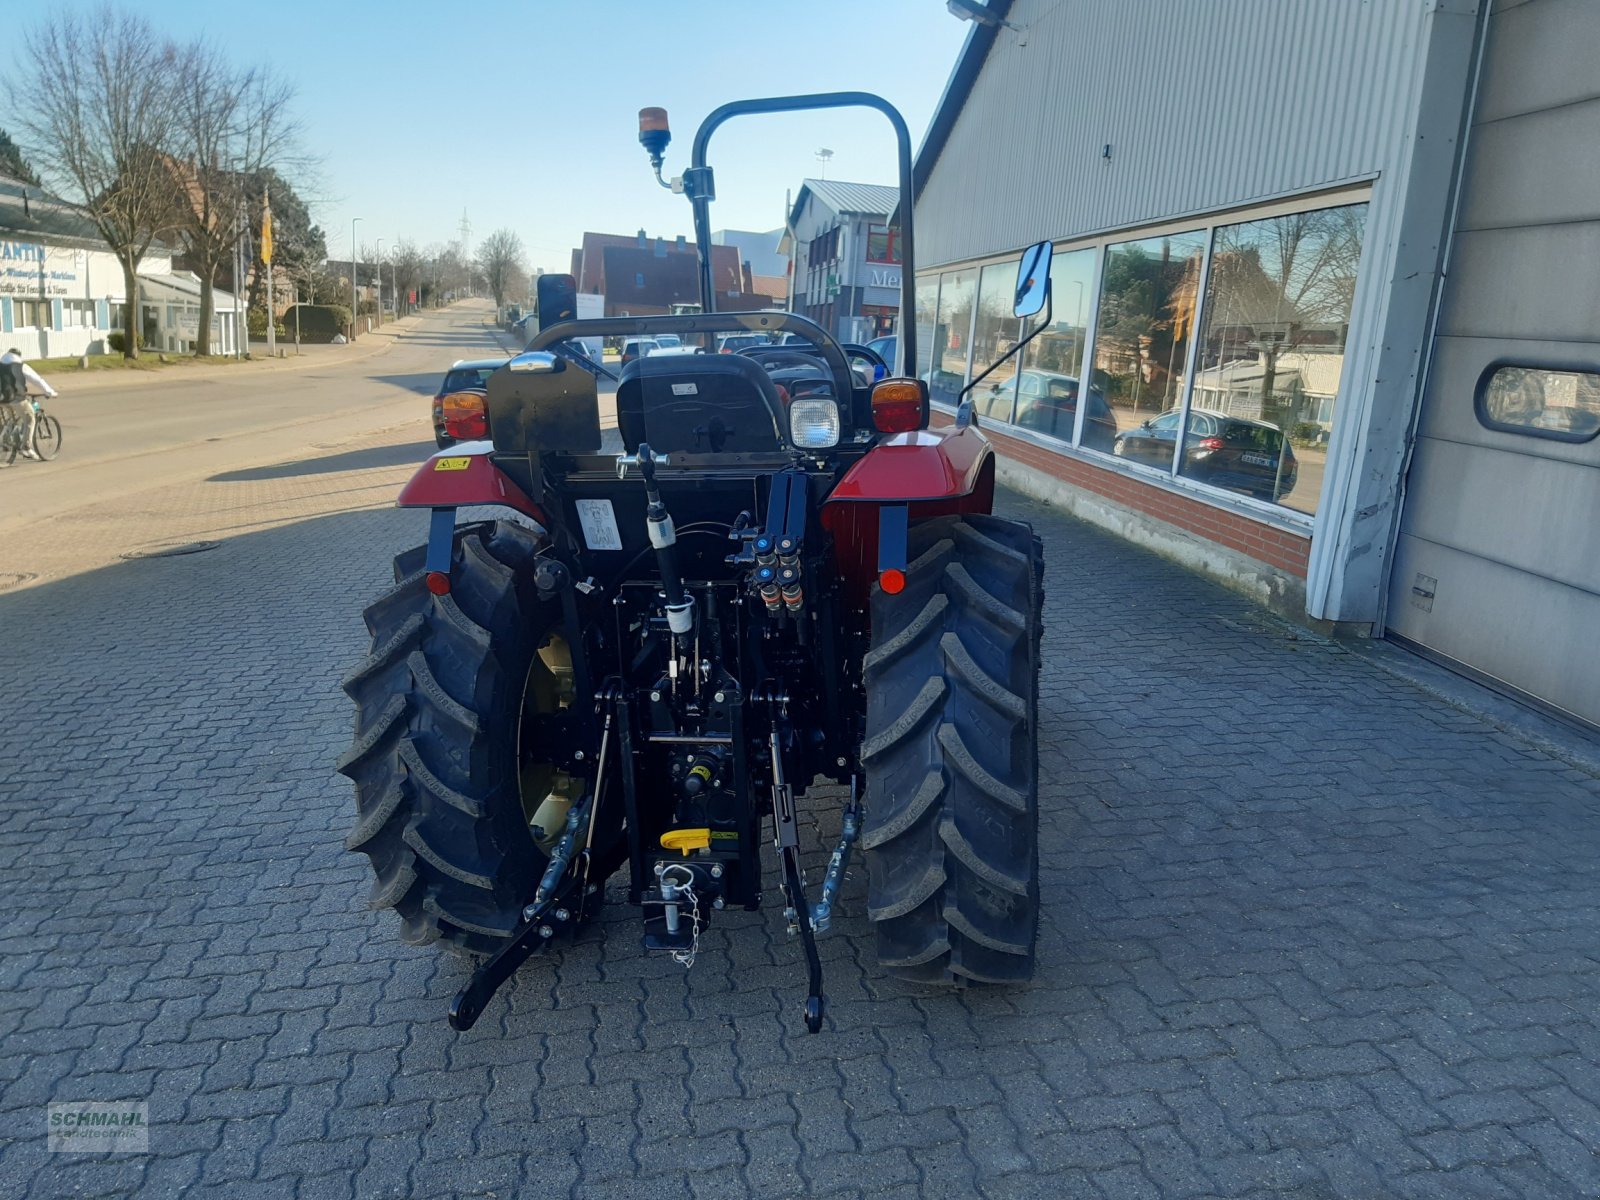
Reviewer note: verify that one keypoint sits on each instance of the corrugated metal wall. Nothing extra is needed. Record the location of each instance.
(1205, 105)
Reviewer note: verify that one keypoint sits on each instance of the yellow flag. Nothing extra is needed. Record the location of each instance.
(266, 233)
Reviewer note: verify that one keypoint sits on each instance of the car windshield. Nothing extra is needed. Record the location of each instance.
(461, 379)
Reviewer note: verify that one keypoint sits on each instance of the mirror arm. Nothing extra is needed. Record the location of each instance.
(1014, 351)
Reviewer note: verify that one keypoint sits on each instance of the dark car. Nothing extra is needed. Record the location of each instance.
(1047, 402)
(1229, 452)
(460, 411)
(885, 348)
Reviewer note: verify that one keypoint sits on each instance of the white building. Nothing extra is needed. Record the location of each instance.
(1361, 238)
(62, 291)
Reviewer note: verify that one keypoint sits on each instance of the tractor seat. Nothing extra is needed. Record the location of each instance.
(699, 404)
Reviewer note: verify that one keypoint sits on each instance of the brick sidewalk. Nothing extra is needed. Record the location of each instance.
(1308, 931)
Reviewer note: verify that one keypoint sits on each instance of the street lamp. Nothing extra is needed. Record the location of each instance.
(353, 256)
(379, 257)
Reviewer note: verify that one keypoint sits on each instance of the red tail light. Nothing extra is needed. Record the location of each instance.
(900, 405)
(466, 416)
(1211, 443)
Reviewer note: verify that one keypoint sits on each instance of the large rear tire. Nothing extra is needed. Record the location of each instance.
(951, 755)
(439, 707)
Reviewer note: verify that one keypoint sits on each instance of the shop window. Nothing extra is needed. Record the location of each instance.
(1545, 402)
(883, 244)
(949, 349)
(1052, 364)
(995, 332)
(1271, 353)
(30, 314)
(77, 314)
(1144, 322)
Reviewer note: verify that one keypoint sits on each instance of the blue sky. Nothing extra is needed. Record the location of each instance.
(524, 112)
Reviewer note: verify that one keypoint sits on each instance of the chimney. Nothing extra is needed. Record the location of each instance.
(641, 239)
(661, 249)
(681, 244)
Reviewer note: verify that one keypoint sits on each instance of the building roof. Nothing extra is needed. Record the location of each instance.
(847, 199)
(645, 255)
(28, 212)
(183, 287)
(956, 90)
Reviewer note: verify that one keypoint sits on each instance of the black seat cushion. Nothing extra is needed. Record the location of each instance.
(698, 403)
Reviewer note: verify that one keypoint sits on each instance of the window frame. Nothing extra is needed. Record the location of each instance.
(892, 250)
(1480, 397)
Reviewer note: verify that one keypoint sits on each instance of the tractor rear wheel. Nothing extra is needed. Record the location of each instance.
(444, 793)
(951, 755)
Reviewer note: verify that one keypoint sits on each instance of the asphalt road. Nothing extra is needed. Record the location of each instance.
(1308, 930)
(120, 437)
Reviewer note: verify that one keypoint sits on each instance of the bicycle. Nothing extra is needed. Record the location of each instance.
(46, 432)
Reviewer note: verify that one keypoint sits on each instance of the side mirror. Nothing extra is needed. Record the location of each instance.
(1033, 279)
(558, 299)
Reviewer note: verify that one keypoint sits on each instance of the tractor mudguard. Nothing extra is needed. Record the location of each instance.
(905, 477)
(924, 464)
(465, 474)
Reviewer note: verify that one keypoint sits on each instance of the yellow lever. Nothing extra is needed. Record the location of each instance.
(686, 840)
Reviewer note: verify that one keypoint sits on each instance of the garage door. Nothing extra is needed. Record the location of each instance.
(1497, 567)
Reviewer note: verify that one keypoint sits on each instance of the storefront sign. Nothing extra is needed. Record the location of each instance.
(32, 269)
(883, 279)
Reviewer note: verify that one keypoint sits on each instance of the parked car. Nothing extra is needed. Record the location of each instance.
(668, 341)
(638, 348)
(735, 342)
(1230, 452)
(460, 408)
(885, 348)
(1047, 401)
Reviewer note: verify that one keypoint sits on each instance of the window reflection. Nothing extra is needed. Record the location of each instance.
(947, 356)
(994, 334)
(1144, 322)
(1272, 343)
(1563, 405)
(927, 315)
(1052, 364)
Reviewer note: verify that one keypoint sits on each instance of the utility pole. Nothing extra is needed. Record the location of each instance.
(379, 257)
(353, 256)
(466, 248)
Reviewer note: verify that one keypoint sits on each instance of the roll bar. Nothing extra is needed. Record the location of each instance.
(699, 186)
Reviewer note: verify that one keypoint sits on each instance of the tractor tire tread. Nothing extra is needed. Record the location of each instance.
(951, 829)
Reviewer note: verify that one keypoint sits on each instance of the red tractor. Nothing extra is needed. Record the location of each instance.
(771, 574)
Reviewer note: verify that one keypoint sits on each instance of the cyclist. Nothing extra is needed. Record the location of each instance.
(16, 376)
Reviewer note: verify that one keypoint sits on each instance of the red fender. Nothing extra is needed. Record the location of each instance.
(931, 472)
(465, 474)
(925, 464)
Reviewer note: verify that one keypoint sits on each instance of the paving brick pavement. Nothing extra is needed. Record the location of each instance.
(1308, 931)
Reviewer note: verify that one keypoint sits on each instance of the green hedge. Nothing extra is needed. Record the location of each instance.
(318, 322)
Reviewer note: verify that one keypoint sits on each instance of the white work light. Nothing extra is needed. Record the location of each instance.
(814, 424)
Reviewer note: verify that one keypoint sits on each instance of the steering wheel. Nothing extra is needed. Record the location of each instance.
(774, 360)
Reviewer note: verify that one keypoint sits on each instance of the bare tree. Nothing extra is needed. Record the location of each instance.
(94, 105)
(231, 126)
(500, 259)
(407, 266)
